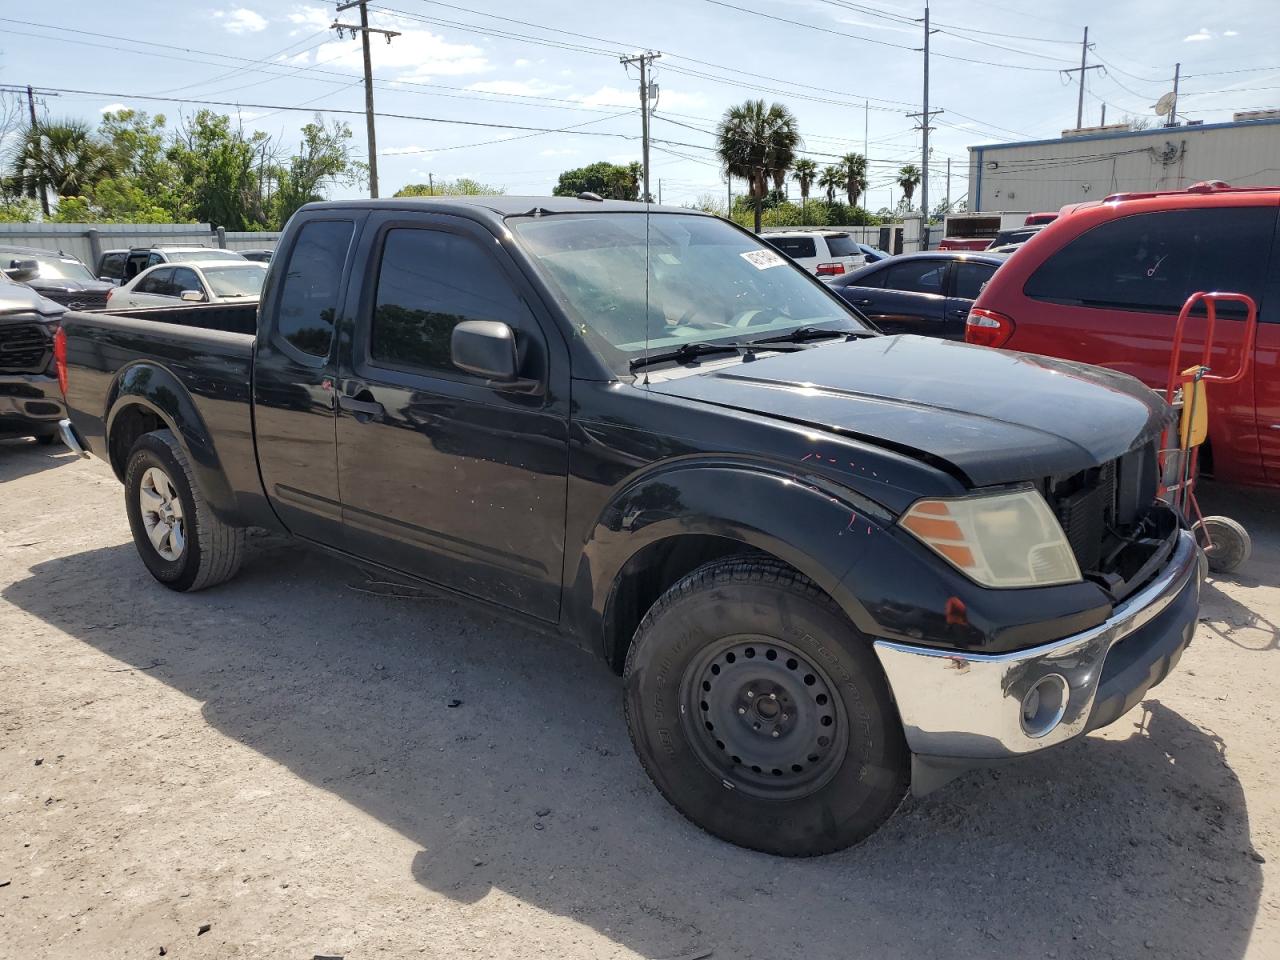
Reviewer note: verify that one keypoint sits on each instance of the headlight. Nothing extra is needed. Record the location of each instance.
(1000, 540)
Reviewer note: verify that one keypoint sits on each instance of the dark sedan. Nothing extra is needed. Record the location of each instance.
(925, 293)
(60, 277)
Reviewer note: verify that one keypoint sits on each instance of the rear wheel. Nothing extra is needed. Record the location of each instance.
(178, 537)
(761, 713)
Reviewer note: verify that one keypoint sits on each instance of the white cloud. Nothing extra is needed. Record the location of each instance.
(1230, 33)
(518, 88)
(617, 97)
(296, 59)
(411, 148)
(308, 17)
(242, 20)
(1201, 34)
(558, 152)
(414, 55)
(522, 62)
(113, 108)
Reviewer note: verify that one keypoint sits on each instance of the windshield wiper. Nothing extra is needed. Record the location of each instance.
(805, 334)
(691, 351)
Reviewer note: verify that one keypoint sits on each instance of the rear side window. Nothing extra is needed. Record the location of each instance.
(798, 247)
(113, 265)
(842, 245)
(916, 276)
(429, 281)
(969, 278)
(312, 280)
(158, 282)
(1152, 262)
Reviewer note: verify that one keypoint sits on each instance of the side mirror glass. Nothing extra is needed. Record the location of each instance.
(192, 296)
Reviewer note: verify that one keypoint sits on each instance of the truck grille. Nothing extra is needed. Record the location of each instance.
(1097, 506)
(79, 299)
(24, 348)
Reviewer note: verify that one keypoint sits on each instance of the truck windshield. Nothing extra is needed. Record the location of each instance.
(706, 281)
(64, 268)
(236, 280)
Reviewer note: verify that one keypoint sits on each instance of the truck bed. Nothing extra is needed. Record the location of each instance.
(184, 362)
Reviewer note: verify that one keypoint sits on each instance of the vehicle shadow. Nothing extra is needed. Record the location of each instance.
(1104, 847)
(21, 457)
(1228, 606)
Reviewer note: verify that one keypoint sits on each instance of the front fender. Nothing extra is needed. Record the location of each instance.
(819, 529)
(159, 391)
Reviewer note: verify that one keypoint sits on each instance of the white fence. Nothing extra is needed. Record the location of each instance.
(87, 241)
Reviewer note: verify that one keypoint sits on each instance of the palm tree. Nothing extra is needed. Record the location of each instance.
(908, 180)
(832, 179)
(855, 176)
(805, 172)
(63, 156)
(758, 143)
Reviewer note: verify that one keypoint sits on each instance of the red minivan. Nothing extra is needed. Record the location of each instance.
(1105, 281)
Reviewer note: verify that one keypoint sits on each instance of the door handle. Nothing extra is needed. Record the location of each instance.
(364, 410)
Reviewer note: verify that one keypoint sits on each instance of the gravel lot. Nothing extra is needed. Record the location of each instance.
(310, 768)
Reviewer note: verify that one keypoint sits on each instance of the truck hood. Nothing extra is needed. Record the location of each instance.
(18, 303)
(991, 416)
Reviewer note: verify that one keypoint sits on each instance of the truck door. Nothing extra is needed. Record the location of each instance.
(293, 394)
(446, 476)
(1266, 370)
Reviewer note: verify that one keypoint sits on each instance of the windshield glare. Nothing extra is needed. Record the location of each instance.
(63, 268)
(202, 256)
(237, 281)
(707, 281)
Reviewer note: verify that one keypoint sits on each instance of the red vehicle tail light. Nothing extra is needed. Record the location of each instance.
(987, 328)
(60, 358)
(830, 269)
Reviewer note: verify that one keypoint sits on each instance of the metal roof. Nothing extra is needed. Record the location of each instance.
(1124, 134)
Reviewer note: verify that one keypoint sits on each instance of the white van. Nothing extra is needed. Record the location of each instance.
(827, 253)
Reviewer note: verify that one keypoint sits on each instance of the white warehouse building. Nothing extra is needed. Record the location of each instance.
(1089, 164)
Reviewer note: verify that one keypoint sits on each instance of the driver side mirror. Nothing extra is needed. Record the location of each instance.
(22, 270)
(487, 349)
(192, 296)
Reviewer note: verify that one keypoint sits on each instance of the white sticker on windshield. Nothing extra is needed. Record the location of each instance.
(762, 259)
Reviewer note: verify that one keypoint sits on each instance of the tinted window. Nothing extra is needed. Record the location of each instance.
(154, 259)
(916, 276)
(137, 262)
(429, 282)
(157, 282)
(1154, 261)
(113, 265)
(794, 246)
(309, 294)
(969, 278)
(235, 280)
(841, 245)
(185, 279)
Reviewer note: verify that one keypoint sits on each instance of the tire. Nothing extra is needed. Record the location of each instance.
(206, 551)
(1231, 543)
(46, 439)
(764, 772)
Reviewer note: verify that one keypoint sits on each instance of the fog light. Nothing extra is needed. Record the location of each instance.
(1044, 705)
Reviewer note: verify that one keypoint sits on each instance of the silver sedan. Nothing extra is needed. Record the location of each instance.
(168, 284)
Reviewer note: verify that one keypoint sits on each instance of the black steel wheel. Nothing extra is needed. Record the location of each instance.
(761, 712)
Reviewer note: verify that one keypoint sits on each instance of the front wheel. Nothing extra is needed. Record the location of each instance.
(762, 714)
(178, 537)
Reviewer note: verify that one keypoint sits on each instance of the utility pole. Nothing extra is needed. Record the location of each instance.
(866, 127)
(35, 140)
(1173, 111)
(925, 116)
(431, 183)
(728, 183)
(1104, 115)
(1084, 66)
(659, 191)
(364, 30)
(947, 206)
(645, 61)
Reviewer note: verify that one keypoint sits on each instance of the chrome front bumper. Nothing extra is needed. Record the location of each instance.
(975, 706)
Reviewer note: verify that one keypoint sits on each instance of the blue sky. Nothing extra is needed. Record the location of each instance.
(553, 65)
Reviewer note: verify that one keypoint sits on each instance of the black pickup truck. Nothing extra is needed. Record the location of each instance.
(830, 565)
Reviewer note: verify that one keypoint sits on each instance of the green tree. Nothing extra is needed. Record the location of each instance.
(61, 156)
(758, 143)
(323, 159)
(804, 172)
(219, 171)
(854, 166)
(831, 180)
(908, 180)
(611, 181)
(462, 187)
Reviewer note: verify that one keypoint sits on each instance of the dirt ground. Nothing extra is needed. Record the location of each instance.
(311, 769)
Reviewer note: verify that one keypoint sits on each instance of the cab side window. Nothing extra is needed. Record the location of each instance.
(970, 277)
(184, 279)
(157, 283)
(915, 276)
(308, 302)
(429, 281)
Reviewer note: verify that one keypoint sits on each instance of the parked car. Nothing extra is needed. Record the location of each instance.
(873, 254)
(1008, 240)
(829, 564)
(210, 282)
(1104, 284)
(825, 253)
(137, 259)
(111, 263)
(259, 256)
(53, 274)
(1040, 219)
(30, 399)
(926, 293)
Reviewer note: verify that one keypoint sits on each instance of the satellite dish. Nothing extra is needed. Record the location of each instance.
(1164, 105)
